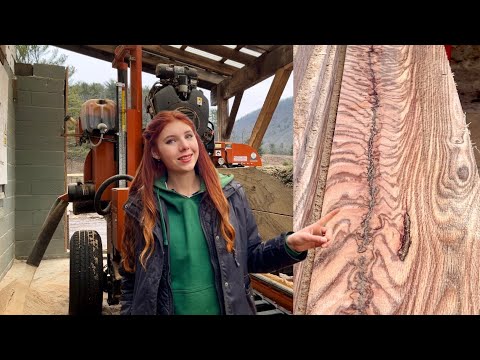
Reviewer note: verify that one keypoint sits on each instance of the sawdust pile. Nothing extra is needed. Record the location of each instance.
(282, 173)
(48, 291)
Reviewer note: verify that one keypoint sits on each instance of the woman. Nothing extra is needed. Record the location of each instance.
(190, 237)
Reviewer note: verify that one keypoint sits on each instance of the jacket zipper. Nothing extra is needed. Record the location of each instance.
(235, 257)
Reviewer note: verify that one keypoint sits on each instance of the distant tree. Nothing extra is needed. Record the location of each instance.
(261, 149)
(110, 91)
(42, 54)
(272, 148)
(291, 150)
(281, 150)
(213, 118)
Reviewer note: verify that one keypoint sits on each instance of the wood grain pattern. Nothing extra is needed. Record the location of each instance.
(403, 167)
(317, 80)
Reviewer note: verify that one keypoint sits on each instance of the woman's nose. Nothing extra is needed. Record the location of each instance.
(184, 145)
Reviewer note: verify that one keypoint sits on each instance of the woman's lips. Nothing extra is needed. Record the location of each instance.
(186, 158)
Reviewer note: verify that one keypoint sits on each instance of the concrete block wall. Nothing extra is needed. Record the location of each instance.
(7, 203)
(39, 154)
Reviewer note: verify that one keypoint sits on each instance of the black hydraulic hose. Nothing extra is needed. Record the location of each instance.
(48, 228)
(101, 189)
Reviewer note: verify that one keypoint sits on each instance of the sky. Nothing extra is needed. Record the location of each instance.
(90, 70)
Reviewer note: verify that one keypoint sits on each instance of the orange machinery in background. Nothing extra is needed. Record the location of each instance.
(115, 136)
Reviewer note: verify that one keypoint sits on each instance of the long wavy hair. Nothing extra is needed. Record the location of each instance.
(150, 169)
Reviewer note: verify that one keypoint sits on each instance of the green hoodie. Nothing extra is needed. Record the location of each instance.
(193, 282)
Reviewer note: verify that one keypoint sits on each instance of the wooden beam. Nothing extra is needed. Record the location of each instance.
(98, 53)
(269, 106)
(191, 58)
(402, 170)
(206, 80)
(222, 117)
(317, 82)
(265, 66)
(233, 115)
(260, 48)
(213, 95)
(226, 52)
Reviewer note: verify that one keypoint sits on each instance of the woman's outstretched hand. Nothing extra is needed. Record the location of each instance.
(313, 235)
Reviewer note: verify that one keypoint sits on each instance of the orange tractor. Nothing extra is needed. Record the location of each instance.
(113, 131)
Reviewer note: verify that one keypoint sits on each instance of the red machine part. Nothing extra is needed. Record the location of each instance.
(119, 198)
(234, 154)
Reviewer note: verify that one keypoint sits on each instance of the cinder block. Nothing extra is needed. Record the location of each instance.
(10, 167)
(39, 217)
(34, 202)
(24, 217)
(49, 71)
(40, 143)
(33, 83)
(10, 189)
(6, 240)
(23, 69)
(26, 232)
(24, 98)
(39, 115)
(33, 157)
(6, 260)
(23, 248)
(33, 130)
(50, 100)
(52, 187)
(6, 222)
(24, 187)
(56, 248)
(33, 172)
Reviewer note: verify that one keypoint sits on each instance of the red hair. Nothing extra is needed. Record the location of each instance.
(150, 169)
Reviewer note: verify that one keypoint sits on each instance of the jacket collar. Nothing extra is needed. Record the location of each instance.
(134, 206)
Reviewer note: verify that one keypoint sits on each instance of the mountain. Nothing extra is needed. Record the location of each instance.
(279, 132)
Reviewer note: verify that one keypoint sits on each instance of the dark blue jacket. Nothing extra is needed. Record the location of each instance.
(148, 292)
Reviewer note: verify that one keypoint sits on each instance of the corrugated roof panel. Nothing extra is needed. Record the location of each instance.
(250, 52)
(234, 63)
(203, 53)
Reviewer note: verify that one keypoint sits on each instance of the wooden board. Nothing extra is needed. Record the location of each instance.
(403, 168)
(317, 80)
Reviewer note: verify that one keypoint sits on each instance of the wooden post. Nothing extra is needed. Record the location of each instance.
(233, 115)
(222, 116)
(269, 106)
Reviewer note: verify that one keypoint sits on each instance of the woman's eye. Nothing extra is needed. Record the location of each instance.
(171, 141)
(189, 136)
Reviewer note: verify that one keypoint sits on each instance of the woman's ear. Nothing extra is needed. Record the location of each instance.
(155, 156)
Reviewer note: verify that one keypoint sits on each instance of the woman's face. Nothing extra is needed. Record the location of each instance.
(177, 147)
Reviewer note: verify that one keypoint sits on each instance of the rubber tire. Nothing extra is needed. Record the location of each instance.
(86, 273)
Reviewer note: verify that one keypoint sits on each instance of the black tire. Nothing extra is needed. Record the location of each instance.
(86, 273)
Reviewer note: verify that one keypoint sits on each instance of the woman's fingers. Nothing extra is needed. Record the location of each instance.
(323, 221)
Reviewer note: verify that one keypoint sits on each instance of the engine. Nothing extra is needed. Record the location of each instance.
(177, 90)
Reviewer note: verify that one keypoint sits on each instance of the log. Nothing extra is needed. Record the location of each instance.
(403, 170)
